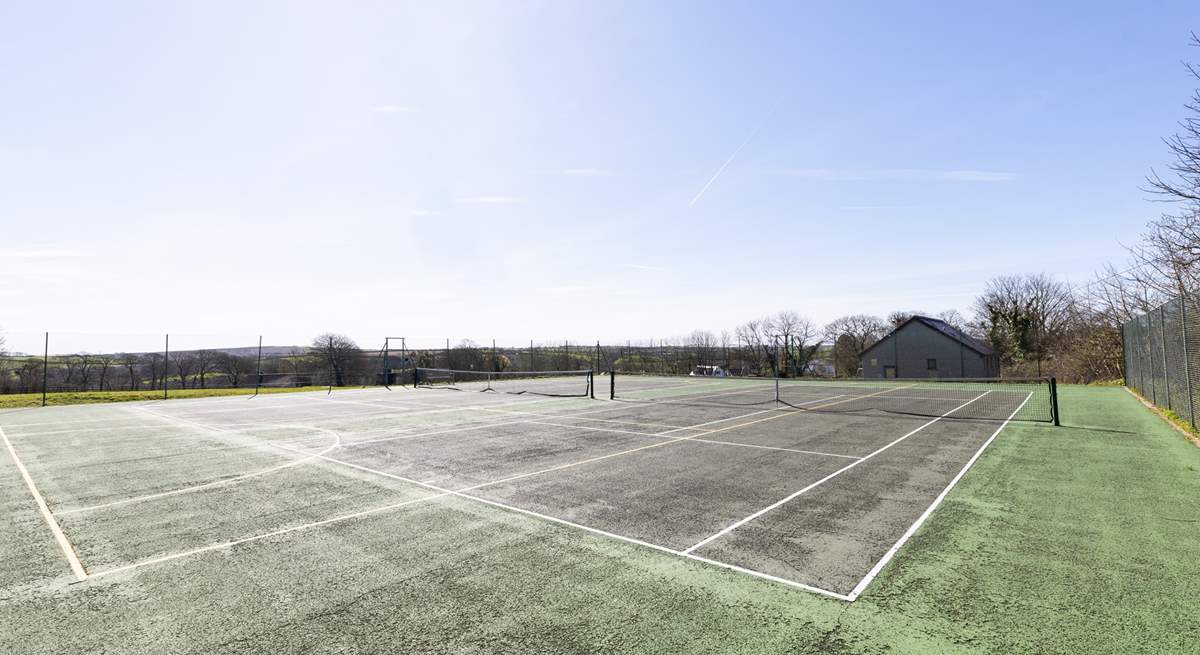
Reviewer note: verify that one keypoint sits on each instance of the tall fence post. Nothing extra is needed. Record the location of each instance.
(45, 368)
(1142, 367)
(258, 368)
(1162, 346)
(166, 365)
(1187, 363)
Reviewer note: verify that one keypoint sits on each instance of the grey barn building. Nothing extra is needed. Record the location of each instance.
(924, 347)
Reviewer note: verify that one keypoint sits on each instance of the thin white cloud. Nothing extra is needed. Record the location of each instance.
(37, 254)
(492, 200)
(644, 267)
(393, 109)
(427, 212)
(859, 208)
(586, 172)
(900, 174)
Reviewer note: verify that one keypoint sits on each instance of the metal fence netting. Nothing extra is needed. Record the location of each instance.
(1162, 356)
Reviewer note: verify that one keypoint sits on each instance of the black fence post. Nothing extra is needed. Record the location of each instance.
(258, 368)
(612, 385)
(1162, 345)
(45, 368)
(1187, 357)
(166, 365)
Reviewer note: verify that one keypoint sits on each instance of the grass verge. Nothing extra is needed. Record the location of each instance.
(84, 397)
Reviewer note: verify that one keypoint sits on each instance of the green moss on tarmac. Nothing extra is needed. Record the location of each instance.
(1080, 539)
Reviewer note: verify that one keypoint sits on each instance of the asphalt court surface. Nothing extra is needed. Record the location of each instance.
(817, 500)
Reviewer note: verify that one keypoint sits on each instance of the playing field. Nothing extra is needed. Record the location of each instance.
(357, 519)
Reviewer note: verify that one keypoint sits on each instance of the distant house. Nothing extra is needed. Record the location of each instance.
(924, 347)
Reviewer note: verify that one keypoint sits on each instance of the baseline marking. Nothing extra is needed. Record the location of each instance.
(875, 570)
(612, 535)
(733, 526)
(63, 543)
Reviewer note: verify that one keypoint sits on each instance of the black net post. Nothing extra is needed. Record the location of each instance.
(612, 385)
(1054, 401)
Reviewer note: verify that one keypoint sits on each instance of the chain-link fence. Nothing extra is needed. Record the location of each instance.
(77, 362)
(1162, 356)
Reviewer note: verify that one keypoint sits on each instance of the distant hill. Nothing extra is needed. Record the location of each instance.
(252, 351)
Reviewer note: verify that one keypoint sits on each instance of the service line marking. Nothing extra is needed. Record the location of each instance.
(779, 503)
(337, 440)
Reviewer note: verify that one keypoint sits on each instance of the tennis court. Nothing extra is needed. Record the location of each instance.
(809, 484)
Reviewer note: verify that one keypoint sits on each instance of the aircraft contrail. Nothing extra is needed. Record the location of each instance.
(733, 156)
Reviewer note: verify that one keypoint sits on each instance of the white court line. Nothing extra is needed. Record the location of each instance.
(480, 426)
(441, 493)
(337, 440)
(875, 570)
(708, 441)
(604, 533)
(51, 522)
(462, 493)
(733, 526)
(88, 430)
(585, 418)
(259, 537)
(356, 514)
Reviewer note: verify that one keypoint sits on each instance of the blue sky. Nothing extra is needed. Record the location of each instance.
(546, 170)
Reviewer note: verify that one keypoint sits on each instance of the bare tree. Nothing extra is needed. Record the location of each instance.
(1184, 146)
(130, 362)
(755, 338)
(185, 365)
(703, 346)
(850, 336)
(339, 353)
(901, 316)
(104, 362)
(153, 363)
(1168, 256)
(233, 367)
(204, 361)
(1023, 316)
(797, 336)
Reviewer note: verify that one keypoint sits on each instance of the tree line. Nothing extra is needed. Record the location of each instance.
(329, 359)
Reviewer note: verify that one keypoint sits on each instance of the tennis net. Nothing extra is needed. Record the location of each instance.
(1032, 399)
(569, 384)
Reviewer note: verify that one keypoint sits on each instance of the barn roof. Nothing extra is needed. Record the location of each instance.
(945, 329)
